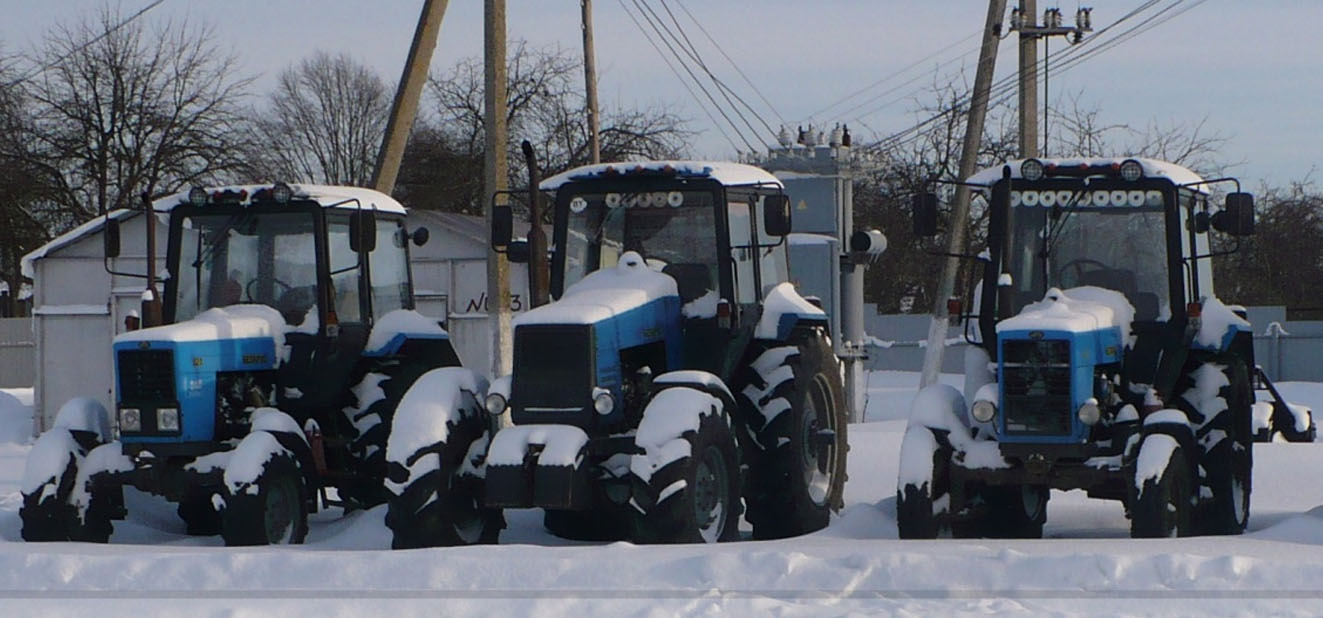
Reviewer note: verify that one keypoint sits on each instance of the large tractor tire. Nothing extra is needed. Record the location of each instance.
(377, 396)
(921, 489)
(59, 503)
(266, 498)
(686, 482)
(435, 460)
(1015, 511)
(800, 443)
(198, 511)
(1161, 489)
(1228, 463)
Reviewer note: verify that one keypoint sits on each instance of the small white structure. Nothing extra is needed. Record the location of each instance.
(78, 307)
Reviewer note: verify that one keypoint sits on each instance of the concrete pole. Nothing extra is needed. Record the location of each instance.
(590, 80)
(1029, 80)
(978, 109)
(405, 107)
(495, 177)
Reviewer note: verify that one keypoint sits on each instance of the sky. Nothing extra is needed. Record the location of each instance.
(1247, 71)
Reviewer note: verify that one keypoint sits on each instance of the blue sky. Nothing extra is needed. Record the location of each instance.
(1250, 71)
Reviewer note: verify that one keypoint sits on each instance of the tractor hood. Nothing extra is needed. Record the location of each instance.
(218, 324)
(1076, 310)
(606, 294)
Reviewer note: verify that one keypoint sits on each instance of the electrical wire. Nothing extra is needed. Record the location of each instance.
(93, 41)
(732, 62)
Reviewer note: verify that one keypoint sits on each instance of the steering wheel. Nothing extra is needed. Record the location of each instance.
(248, 289)
(1079, 267)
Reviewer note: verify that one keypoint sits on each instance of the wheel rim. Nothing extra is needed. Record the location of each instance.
(711, 495)
(818, 455)
(467, 517)
(278, 516)
(1032, 499)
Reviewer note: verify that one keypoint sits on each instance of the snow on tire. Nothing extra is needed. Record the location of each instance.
(686, 482)
(799, 438)
(435, 463)
(1160, 490)
(1224, 396)
(266, 498)
(922, 493)
(58, 499)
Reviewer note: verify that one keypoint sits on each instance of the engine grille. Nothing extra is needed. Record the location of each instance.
(1036, 387)
(553, 367)
(146, 376)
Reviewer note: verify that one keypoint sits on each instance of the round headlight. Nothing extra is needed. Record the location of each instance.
(197, 196)
(1089, 412)
(167, 419)
(495, 404)
(281, 193)
(130, 419)
(604, 403)
(1031, 169)
(984, 410)
(1131, 170)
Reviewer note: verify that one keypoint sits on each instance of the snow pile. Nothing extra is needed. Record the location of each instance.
(15, 414)
(250, 459)
(438, 399)
(670, 415)
(1205, 396)
(562, 445)
(704, 306)
(941, 407)
(783, 300)
(604, 294)
(1216, 323)
(724, 172)
(105, 458)
(47, 460)
(1154, 454)
(84, 414)
(401, 322)
(693, 376)
(1076, 310)
(233, 322)
(367, 392)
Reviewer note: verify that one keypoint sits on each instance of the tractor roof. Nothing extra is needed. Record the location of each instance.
(1178, 174)
(326, 195)
(726, 173)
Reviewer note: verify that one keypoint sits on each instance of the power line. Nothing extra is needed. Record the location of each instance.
(717, 45)
(87, 44)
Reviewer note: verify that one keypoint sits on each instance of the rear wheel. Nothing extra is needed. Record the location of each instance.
(1229, 463)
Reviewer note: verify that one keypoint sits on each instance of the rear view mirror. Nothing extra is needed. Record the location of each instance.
(362, 232)
(502, 227)
(776, 214)
(420, 236)
(925, 214)
(111, 238)
(1237, 217)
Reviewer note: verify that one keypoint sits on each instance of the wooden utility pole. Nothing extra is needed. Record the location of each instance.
(405, 107)
(590, 80)
(1028, 79)
(495, 178)
(978, 108)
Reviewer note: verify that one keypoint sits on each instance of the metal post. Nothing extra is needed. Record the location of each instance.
(405, 107)
(538, 271)
(978, 108)
(151, 301)
(495, 178)
(590, 80)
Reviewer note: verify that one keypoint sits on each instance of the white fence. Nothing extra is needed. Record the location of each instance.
(17, 353)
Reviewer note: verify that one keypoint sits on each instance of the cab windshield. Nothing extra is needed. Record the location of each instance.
(675, 231)
(244, 257)
(1109, 239)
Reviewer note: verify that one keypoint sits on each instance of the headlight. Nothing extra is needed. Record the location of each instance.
(167, 419)
(130, 419)
(281, 193)
(1031, 169)
(1089, 412)
(495, 404)
(984, 410)
(604, 403)
(1131, 170)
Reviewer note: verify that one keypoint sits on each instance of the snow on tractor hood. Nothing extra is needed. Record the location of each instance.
(219, 323)
(604, 294)
(1076, 310)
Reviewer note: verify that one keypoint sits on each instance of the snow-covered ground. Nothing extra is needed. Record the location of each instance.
(1087, 565)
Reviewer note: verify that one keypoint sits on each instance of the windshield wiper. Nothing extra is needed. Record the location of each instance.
(222, 234)
(1059, 223)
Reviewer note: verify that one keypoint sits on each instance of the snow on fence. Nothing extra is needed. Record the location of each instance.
(17, 353)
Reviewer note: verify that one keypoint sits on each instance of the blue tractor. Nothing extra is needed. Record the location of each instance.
(1101, 358)
(677, 380)
(271, 387)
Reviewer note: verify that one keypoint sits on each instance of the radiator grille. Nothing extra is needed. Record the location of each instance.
(146, 376)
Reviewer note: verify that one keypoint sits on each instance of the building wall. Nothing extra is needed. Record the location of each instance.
(17, 352)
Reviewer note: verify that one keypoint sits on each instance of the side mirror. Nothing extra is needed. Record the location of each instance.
(502, 227)
(1237, 217)
(111, 238)
(925, 214)
(776, 214)
(362, 232)
(518, 252)
(420, 236)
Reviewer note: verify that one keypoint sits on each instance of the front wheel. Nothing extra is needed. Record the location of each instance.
(1160, 492)
(923, 487)
(266, 502)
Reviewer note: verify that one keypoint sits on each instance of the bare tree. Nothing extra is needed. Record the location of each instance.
(128, 109)
(324, 123)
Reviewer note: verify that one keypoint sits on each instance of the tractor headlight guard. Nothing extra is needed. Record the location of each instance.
(495, 404)
(1089, 412)
(1131, 170)
(984, 410)
(130, 419)
(604, 403)
(167, 419)
(1031, 169)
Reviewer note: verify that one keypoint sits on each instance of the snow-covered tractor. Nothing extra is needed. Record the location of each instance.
(677, 379)
(1101, 359)
(290, 372)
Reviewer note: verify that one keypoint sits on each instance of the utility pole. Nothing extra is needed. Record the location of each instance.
(405, 107)
(1025, 20)
(590, 80)
(978, 108)
(495, 177)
